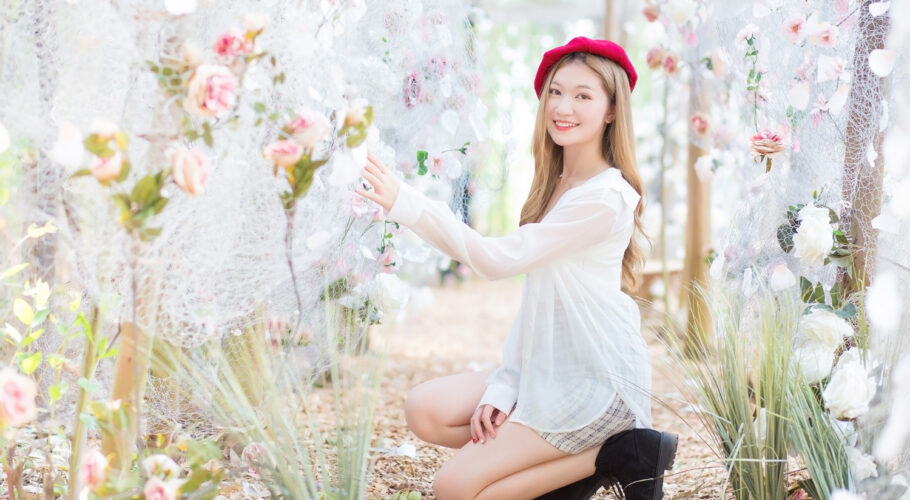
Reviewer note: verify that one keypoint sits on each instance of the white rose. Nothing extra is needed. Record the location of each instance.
(861, 465)
(814, 362)
(824, 328)
(68, 149)
(781, 278)
(843, 495)
(389, 293)
(814, 237)
(851, 388)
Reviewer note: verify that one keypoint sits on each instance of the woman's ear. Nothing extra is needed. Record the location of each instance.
(611, 115)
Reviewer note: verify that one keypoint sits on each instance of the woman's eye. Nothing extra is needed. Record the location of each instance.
(583, 96)
(554, 92)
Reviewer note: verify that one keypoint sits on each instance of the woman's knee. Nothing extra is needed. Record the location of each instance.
(420, 413)
(449, 484)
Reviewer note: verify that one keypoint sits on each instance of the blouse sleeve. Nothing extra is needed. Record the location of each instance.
(571, 226)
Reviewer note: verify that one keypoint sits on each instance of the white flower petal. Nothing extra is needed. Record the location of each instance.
(838, 100)
(884, 302)
(318, 240)
(180, 7)
(760, 10)
(879, 8)
(799, 95)
(406, 450)
(881, 61)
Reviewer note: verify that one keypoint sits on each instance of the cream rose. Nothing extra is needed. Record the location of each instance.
(851, 388)
(309, 127)
(190, 169)
(106, 169)
(284, 153)
(93, 469)
(389, 293)
(212, 91)
(160, 466)
(781, 277)
(814, 362)
(17, 398)
(862, 466)
(814, 237)
(824, 328)
(767, 143)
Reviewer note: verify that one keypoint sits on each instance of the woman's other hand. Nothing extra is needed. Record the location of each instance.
(486, 419)
(385, 184)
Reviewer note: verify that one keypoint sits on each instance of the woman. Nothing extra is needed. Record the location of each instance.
(575, 370)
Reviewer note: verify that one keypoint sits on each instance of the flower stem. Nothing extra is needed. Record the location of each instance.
(88, 370)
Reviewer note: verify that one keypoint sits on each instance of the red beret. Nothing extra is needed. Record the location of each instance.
(603, 48)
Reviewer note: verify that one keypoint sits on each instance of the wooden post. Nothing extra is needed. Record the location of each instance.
(130, 376)
(862, 183)
(698, 239)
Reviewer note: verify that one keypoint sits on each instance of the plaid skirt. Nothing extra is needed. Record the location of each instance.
(616, 419)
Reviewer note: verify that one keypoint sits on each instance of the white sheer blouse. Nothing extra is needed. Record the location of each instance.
(576, 343)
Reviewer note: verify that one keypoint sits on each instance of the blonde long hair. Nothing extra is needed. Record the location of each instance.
(618, 147)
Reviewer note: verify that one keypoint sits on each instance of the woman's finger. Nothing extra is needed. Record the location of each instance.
(370, 167)
(370, 195)
(378, 163)
(500, 418)
(487, 413)
(372, 179)
(475, 426)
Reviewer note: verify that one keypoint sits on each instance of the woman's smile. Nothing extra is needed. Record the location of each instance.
(562, 125)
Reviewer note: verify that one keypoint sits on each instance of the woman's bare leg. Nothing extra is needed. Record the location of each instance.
(438, 411)
(540, 479)
(477, 468)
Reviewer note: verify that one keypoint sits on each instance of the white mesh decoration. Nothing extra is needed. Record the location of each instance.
(220, 263)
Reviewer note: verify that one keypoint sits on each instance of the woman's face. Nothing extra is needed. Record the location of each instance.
(577, 106)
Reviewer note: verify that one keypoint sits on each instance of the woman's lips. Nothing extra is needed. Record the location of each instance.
(562, 126)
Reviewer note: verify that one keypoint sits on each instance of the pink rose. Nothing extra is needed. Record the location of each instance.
(284, 153)
(767, 143)
(413, 89)
(437, 165)
(17, 398)
(233, 43)
(359, 205)
(824, 35)
(794, 29)
(389, 260)
(700, 124)
(93, 469)
(257, 456)
(190, 169)
(651, 12)
(309, 127)
(655, 58)
(106, 169)
(671, 63)
(212, 91)
(157, 489)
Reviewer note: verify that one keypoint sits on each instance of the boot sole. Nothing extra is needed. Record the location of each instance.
(665, 458)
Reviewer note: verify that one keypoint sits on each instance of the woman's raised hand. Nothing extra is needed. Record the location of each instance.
(486, 419)
(384, 183)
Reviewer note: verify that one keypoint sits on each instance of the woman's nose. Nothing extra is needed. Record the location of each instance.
(563, 106)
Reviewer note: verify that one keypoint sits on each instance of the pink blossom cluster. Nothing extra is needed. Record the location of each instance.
(303, 133)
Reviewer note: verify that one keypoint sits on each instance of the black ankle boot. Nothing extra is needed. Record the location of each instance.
(633, 459)
(637, 459)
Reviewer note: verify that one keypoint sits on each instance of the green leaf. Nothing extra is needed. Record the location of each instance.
(847, 312)
(12, 271)
(124, 172)
(334, 291)
(56, 391)
(207, 134)
(11, 332)
(89, 386)
(55, 360)
(832, 215)
(805, 289)
(422, 162)
(110, 353)
(259, 107)
(200, 452)
(35, 335)
(81, 173)
(23, 311)
(97, 146)
(29, 364)
(146, 190)
(785, 237)
(36, 232)
(356, 139)
(819, 295)
(149, 233)
(836, 296)
(195, 480)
